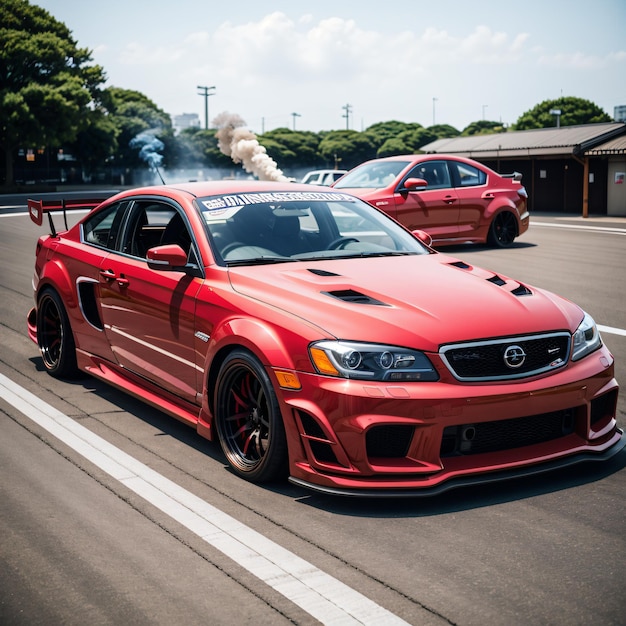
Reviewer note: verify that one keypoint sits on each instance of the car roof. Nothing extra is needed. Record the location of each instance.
(220, 187)
(423, 157)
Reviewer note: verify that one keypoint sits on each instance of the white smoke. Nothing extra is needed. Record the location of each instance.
(242, 146)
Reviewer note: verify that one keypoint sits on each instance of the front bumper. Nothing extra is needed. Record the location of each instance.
(469, 480)
(352, 438)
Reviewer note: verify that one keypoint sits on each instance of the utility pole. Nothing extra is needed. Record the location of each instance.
(434, 100)
(294, 115)
(204, 92)
(348, 109)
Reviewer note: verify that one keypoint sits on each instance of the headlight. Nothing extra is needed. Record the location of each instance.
(586, 339)
(367, 361)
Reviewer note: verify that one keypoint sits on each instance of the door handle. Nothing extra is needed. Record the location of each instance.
(122, 281)
(449, 199)
(107, 274)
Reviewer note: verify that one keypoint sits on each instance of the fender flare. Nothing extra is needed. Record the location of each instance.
(238, 333)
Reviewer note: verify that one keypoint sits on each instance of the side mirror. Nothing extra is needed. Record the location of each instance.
(423, 236)
(413, 184)
(169, 257)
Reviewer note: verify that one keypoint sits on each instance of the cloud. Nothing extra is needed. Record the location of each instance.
(277, 48)
(267, 67)
(581, 61)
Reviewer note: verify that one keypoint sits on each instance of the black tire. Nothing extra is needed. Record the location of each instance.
(54, 336)
(503, 230)
(248, 419)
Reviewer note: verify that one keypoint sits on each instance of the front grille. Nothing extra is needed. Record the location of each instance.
(506, 434)
(503, 359)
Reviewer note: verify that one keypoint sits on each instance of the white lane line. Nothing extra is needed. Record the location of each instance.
(14, 214)
(602, 229)
(612, 330)
(322, 596)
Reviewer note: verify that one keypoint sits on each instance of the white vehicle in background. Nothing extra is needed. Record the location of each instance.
(323, 177)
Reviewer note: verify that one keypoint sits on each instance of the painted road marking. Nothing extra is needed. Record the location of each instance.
(602, 229)
(612, 330)
(322, 596)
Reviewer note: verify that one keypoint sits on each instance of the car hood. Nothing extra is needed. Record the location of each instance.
(420, 301)
(364, 192)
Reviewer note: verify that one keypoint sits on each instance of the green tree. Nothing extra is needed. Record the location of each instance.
(346, 148)
(444, 131)
(132, 114)
(391, 138)
(292, 148)
(574, 111)
(483, 127)
(97, 143)
(47, 82)
(381, 132)
(198, 147)
(392, 147)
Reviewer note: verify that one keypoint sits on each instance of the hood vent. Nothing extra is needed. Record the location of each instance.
(521, 290)
(461, 265)
(496, 280)
(322, 272)
(354, 297)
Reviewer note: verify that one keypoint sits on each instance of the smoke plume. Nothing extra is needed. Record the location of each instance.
(149, 146)
(242, 146)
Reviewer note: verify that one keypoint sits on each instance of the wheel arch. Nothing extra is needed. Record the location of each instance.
(258, 338)
(56, 277)
(499, 212)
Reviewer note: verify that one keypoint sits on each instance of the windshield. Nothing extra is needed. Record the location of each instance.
(280, 227)
(374, 174)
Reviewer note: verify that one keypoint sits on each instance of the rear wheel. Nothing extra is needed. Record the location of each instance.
(54, 336)
(503, 230)
(248, 419)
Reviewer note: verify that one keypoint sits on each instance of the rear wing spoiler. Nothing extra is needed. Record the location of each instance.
(37, 209)
(516, 176)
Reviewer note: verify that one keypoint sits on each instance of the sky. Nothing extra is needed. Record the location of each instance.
(306, 65)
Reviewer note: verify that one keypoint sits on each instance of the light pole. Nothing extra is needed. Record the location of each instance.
(294, 115)
(556, 112)
(347, 108)
(484, 107)
(434, 100)
(204, 91)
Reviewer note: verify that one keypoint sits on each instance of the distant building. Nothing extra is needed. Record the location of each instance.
(186, 120)
(619, 113)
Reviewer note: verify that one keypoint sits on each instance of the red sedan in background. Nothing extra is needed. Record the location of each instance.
(455, 200)
(316, 338)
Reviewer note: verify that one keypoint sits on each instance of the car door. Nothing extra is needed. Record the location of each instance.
(433, 208)
(149, 313)
(98, 240)
(474, 196)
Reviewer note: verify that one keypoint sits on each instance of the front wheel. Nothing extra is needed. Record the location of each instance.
(54, 336)
(503, 230)
(248, 419)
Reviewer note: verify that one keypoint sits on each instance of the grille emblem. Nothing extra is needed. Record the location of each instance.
(514, 357)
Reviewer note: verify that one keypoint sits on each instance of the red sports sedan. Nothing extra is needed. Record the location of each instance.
(315, 338)
(455, 200)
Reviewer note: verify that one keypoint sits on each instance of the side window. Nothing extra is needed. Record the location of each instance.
(435, 173)
(102, 228)
(470, 176)
(154, 224)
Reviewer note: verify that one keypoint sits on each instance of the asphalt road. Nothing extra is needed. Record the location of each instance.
(80, 544)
